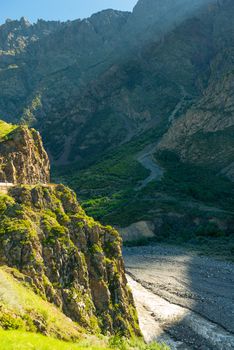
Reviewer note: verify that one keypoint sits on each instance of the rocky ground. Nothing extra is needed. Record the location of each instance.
(183, 299)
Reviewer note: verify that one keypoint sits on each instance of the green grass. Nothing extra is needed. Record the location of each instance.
(6, 129)
(20, 307)
(18, 340)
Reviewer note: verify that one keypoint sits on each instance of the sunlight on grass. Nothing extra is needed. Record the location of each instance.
(16, 340)
(6, 128)
(23, 302)
(19, 340)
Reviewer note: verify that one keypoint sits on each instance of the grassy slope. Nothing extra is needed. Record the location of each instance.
(20, 308)
(18, 340)
(5, 129)
(21, 311)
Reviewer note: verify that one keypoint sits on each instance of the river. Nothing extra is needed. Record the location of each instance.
(183, 299)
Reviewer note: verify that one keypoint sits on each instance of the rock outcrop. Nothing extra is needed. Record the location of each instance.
(71, 260)
(23, 159)
(139, 231)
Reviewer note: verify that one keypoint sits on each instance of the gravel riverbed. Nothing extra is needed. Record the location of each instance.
(183, 299)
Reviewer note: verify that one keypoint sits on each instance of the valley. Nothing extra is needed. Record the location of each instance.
(117, 179)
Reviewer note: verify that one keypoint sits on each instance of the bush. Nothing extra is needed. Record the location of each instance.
(209, 230)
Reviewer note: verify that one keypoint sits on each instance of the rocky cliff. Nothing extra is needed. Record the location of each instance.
(203, 135)
(23, 159)
(71, 260)
(67, 258)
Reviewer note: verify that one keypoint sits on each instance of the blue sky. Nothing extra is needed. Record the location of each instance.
(58, 9)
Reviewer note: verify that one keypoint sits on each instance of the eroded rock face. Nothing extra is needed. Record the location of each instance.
(72, 261)
(138, 231)
(23, 159)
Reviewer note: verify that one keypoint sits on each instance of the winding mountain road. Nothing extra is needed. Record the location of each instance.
(147, 160)
(183, 299)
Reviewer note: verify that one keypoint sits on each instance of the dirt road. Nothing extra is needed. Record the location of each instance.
(183, 299)
(147, 160)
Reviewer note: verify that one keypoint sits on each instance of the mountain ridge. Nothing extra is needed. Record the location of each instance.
(99, 109)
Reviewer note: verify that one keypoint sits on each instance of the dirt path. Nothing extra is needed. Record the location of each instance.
(182, 298)
(146, 158)
(181, 104)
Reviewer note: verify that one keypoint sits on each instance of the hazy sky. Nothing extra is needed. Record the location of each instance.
(58, 9)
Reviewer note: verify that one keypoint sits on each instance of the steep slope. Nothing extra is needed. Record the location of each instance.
(152, 19)
(71, 260)
(15, 36)
(81, 63)
(204, 135)
(66, 257)
(22, 309)
(47, 55)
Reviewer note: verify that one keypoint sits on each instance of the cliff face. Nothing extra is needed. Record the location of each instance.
(71, 260)
(23, 159)
(15, 36)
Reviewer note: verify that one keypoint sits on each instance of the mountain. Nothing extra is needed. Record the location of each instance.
(135, 110)
(53, 254)
(85, 63)
(17, 35)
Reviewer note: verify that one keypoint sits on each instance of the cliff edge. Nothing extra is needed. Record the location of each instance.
(23, 159)
(68, 259)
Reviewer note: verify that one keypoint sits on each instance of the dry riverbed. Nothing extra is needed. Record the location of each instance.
(183, 299)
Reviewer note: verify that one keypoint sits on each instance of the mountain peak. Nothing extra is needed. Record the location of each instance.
(25, 22)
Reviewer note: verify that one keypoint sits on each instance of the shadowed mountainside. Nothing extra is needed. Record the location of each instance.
(107, 92)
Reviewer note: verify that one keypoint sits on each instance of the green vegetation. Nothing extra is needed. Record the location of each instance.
(18, 340)
(28, 112)
(22, 309)
(119, 343)
(44, 226)
(195, 182)
(107, 191)
(6, 129)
